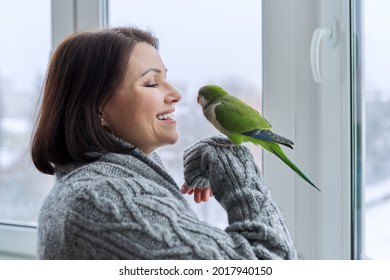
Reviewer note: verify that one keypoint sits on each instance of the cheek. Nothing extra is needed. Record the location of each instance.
(134, 115)
(117, 113)
(138, 118)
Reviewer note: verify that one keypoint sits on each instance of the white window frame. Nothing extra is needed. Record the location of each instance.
(17, 242)
(321, 223)
(74, 15)
(317, 117)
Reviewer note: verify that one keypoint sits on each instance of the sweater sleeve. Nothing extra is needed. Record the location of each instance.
(136, 218)
(237, 184)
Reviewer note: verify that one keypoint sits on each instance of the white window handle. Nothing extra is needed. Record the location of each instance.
(328, 33)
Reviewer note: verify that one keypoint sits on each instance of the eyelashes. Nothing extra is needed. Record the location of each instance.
(151, 84)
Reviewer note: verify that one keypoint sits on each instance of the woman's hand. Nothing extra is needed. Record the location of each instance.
(218, 163)
(200, 194)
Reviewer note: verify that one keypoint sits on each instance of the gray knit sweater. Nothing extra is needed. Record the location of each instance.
(126, 206)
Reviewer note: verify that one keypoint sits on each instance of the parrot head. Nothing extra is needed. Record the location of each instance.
(210, 93)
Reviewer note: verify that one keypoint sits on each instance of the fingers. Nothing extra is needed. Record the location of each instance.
(185, 188)
(205, 195)
(200, 195)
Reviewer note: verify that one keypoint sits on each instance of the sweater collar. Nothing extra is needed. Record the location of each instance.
(148, 166)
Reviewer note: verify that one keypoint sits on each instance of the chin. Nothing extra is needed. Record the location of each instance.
(173, 139)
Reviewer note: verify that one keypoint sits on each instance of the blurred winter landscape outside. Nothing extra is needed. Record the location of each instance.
(188, 48)
(377, 96)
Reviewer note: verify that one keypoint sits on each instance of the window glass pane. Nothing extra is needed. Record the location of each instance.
(377, 100)
(24, 53)
(201, 42)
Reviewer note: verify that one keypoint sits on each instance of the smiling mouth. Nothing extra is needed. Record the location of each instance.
(166, 116)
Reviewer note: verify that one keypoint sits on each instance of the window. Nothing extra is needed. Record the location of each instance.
(338, 125)
(24, 59)
(201, 42)
(317, 118)
(377, 112)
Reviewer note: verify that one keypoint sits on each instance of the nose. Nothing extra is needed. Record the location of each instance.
(172, 96)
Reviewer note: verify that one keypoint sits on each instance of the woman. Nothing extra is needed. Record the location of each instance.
(107, 107)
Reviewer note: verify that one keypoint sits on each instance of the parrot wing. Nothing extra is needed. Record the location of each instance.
(238, 117)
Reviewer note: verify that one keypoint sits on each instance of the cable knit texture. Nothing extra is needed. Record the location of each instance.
(126, 206)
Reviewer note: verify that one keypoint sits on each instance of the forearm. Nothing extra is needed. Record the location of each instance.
(237, 184)
(150, 223)
(252, 212)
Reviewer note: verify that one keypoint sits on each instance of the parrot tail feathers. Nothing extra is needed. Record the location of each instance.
(267, 135)
(275, 149)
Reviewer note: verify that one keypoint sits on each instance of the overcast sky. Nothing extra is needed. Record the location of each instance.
(377, 44)
(24, 41)
(200, 40)
(187, 30)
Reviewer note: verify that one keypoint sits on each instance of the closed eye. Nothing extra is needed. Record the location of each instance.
(151, 85)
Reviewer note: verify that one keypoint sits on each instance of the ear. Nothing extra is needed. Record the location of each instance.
(103, 121)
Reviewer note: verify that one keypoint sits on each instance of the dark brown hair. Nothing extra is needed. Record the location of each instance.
(85, 70)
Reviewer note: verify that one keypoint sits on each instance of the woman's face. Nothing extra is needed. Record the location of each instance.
(142, 110)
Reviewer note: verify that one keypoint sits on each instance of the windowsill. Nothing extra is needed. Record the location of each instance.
(17, 242)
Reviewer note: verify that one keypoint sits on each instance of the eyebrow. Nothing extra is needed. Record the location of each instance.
(152, 70)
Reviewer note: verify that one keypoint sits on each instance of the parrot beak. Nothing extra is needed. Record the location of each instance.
(198, 99)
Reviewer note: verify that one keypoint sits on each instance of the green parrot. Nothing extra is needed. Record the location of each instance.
(241, 123)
